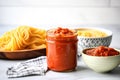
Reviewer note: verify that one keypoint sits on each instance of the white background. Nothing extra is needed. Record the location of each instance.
(59, 12)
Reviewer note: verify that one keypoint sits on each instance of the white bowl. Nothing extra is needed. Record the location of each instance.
(89, 42)
(101, 64)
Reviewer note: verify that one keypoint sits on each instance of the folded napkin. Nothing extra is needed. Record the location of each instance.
(37, 66)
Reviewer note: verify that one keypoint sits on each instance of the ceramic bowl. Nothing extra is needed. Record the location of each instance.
(22, 54)
(101, 63)
(89, 42)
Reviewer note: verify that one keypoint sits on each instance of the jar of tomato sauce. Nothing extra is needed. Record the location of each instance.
(61, 49)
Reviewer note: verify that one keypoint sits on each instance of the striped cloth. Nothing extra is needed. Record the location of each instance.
(37, 66)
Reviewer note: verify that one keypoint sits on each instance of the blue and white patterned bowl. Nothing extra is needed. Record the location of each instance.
(90, 42)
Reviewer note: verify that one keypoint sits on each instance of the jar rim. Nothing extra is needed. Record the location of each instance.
(50, 33)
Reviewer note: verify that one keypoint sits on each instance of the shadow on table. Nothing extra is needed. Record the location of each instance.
(81, 68)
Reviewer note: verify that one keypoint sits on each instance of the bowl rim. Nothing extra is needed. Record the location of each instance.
(107, 31)
(100, 56)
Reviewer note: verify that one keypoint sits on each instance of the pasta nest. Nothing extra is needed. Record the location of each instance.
(23, 37)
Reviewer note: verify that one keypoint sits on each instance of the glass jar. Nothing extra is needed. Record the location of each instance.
(61, 49)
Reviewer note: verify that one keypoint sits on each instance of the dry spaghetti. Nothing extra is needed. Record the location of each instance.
(23, 37)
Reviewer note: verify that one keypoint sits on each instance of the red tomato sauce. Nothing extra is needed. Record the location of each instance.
(101, 51)
(61, 49)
